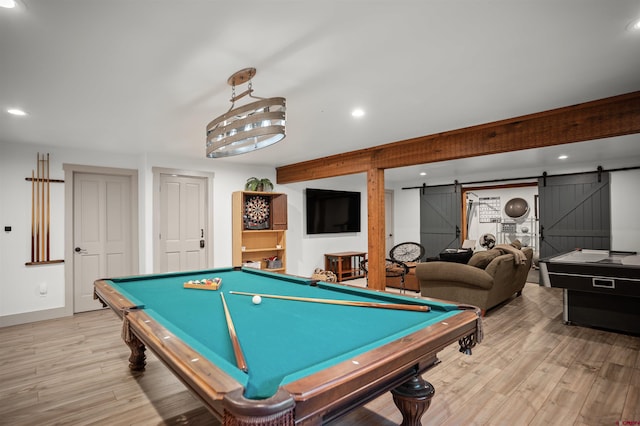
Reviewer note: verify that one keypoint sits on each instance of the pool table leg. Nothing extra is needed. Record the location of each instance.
(137, 357)
(413, 399)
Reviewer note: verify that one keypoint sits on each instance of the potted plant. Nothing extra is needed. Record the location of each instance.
(260, 185)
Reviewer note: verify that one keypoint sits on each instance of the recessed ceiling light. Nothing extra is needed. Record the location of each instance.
(423, 173)
(8, 4)
(563, 157)
(358, 112)
(634, 25)
(16, 111)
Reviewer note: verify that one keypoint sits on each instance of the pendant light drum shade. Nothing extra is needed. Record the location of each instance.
(246, 128)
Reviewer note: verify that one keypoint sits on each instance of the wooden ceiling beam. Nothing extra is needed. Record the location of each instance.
(608, 117)
(336, 165)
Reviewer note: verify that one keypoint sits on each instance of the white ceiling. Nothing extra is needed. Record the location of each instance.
(139, 76)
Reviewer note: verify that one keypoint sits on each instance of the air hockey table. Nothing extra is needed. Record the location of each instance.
(601, 288)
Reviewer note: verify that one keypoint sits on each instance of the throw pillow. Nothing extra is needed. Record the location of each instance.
(482, 259)
(517, 244)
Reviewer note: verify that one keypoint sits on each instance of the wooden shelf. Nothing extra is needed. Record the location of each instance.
(44, 262)
(256, 245)
(255, 250)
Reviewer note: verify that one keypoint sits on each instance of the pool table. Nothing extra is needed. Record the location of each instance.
(307, 362)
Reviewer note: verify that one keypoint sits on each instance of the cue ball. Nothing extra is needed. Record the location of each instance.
(256, 299)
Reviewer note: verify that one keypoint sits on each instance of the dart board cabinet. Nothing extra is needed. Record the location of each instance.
(259, 230)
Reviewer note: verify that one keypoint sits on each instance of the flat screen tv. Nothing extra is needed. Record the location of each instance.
(330, 212)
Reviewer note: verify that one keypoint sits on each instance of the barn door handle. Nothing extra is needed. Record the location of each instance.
(541, 232)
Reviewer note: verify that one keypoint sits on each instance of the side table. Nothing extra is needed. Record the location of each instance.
(345, 265)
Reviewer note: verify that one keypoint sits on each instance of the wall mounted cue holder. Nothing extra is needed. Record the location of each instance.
(41, 212)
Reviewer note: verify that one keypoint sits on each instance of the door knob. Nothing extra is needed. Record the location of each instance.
(77, 249)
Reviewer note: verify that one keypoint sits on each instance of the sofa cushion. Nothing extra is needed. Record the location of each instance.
(458, 256)
(481, 259)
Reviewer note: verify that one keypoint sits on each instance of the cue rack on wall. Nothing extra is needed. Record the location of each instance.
(41, 212)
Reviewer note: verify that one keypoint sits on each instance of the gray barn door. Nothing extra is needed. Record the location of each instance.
(440, 215)
(574, 213)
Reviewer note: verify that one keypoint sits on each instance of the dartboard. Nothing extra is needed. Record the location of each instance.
(256, 212)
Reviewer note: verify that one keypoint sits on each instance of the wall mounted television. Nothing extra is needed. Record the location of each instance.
(330, 212)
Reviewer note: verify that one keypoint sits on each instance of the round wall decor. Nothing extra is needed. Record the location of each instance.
(488, 241)
(516, 207)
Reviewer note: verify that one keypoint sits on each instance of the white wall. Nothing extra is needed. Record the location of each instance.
(306, 252)
(20, 296)
(625, 205)
(227, 179)
(20, 284)
(406, 215)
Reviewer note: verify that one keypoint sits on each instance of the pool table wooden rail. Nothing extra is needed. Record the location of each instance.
(206, 380)
(377, 371)
(108, 296)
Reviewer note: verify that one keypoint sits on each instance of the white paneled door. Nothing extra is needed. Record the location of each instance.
(102, 233)
(183, 214)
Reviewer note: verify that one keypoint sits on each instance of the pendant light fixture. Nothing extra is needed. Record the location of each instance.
(249, 127)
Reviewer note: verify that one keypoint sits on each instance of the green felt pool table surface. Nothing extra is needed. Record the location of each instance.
(283, 341)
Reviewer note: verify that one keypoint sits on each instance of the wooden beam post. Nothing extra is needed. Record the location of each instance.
(376, 250)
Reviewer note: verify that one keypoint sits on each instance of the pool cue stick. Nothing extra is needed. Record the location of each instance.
(48, 256)
(235, 342)
(33, 219)
(397, 306)
(42, 213)
(38, 208)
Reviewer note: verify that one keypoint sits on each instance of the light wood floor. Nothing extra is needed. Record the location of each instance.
(531, 369)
